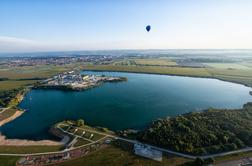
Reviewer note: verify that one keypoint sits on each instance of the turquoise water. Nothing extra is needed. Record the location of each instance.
(132, 104)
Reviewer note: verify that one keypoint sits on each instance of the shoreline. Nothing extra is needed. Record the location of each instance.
(11, 118)
(178, 75)
(25, 142)
(51, 142)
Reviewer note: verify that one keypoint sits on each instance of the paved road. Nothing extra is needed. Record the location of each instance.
(133, 142)
(173, 152)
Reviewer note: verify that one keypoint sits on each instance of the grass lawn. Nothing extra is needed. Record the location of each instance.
(117, 157)
(8, 160)
(80, 142)
(88, 134)
(29, 149)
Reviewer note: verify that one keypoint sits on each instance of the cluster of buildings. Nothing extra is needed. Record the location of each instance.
(55, 60)
(76, 81)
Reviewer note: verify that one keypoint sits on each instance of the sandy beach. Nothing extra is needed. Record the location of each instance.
(20, 142)
(14, 116)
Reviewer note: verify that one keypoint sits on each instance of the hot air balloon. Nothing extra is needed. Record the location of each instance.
(148, 28)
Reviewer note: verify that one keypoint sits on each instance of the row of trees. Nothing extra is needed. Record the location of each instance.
(201, 133)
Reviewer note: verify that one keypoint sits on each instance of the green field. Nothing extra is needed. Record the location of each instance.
(22, 76)
(155, 62)
(115, 156)
(80, 129)
(29, 149)
(80, 142)
(109, 156)
(8, 160)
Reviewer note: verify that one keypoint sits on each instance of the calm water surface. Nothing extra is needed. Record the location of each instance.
(132, 104)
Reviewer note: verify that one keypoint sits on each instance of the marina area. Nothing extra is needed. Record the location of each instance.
(73, 80)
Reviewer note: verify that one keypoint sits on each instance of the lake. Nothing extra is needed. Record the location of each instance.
(132, 104)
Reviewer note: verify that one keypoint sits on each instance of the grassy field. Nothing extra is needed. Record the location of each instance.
(155, 62)
(146, 62)
(227, 66)
(11, 84)
(233, 157)
(235, 75)
(109, 156)
(80, 142)
(117, 157)
(29, 149)
(22, 76)
(8, 160)
(92, 136)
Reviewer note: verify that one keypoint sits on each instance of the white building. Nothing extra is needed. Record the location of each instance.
(148, 152)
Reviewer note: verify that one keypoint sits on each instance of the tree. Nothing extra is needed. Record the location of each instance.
(199, 161)
(209, 161)
(2, 103)
(80, 122)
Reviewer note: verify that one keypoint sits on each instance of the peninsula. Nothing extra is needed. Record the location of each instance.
(74, 81)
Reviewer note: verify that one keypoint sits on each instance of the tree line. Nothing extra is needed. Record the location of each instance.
(7, 95)
(201, 133)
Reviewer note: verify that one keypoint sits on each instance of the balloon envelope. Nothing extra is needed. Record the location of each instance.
(148, 28)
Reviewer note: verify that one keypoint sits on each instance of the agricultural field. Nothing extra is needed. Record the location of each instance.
(147, 62)
(12, 84)
(228, 66)
(155, 62)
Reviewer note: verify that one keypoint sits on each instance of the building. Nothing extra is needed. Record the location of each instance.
(148, 152)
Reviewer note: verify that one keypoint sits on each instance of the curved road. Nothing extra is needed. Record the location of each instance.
(133, 142)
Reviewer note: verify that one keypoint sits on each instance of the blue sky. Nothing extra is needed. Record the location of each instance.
(44, 25)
